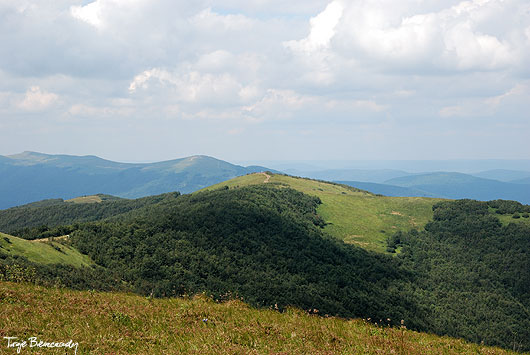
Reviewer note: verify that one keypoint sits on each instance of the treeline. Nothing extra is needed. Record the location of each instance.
(472, 273)
(51, 218)
(508, 207)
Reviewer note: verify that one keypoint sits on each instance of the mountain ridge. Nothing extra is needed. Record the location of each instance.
(33, 176)
(458, 185)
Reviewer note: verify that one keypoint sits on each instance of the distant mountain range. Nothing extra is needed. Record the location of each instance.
(450, 185)
(366, 175)
(388, 190)
(31, 176)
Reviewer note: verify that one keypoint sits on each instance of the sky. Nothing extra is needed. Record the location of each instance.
(150, 80)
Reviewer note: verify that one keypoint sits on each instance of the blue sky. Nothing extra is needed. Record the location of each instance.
(144, 80)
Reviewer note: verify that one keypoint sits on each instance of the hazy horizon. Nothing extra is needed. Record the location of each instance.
(413, 166)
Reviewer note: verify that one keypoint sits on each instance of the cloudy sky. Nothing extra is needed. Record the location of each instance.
(146, 80)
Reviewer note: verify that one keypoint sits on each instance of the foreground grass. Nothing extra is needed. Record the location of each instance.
(354, 216)
(43, 252)
(116, 323)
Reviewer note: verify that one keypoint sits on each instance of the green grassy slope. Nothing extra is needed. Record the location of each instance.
(117, 323)
(42, 252)
(355, 216)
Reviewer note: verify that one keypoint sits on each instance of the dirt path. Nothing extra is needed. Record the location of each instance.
(63, 237)
(267, 177)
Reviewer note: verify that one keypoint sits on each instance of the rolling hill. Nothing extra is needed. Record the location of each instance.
(388, 190)
(503, 175)
(39, 219)
(458, 186)
(277, 242)
(522, 181)
(366, 175)
(30, 176)
(352, 215)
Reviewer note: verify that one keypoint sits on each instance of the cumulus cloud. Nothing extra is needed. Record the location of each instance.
(514, 103)
(192, 87)
(90, 13)
(322, 29)
(302, 66)
(36, 99)
(422, 36)
(209, 20)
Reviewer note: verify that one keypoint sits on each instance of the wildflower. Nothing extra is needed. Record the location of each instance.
(205, 320)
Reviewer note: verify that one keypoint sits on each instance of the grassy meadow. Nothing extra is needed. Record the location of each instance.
(43, 252)
(118, 323)
(355, 216)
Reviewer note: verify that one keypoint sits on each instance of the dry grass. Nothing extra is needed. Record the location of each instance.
(86, 199)
(115, 323)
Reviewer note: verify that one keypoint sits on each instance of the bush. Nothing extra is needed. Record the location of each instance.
(516, 215)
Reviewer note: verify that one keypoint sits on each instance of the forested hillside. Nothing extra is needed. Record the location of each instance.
(51, 218)
(473, 272)
(277, 241)
(355, 216)
(262, 243)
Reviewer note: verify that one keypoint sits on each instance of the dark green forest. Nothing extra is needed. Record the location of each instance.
(263, 244)
(472, 272)
(465, 275)
(51, 218)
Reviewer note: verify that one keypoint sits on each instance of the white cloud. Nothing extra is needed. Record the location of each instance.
(420, 36)
(36, 99)
(90, 13)
(515, 102)
(193, 86)
(101, 13)
(322, 29)
(209, 20)
(520, 90)
(266, 66)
